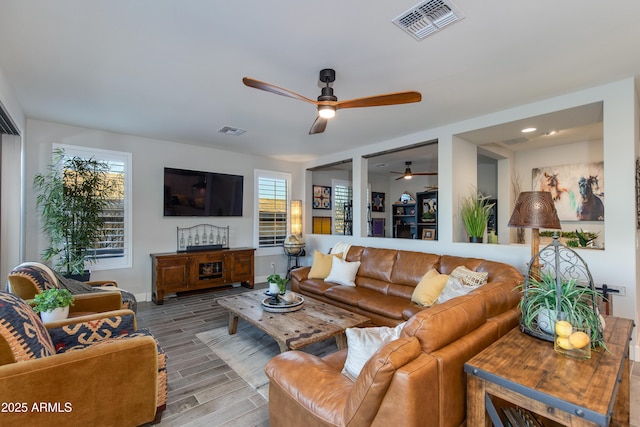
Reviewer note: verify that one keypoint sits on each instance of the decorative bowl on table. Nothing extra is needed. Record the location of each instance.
(282, 306)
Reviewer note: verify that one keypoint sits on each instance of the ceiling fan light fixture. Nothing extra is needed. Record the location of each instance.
(326, 111)
(408, 176)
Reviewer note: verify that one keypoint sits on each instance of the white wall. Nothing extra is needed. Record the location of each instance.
(616, 265)
(152, 232)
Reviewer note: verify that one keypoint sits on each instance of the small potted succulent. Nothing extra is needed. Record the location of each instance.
(53, 304)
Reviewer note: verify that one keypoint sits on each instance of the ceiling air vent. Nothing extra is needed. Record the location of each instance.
(228, 130)
(428, 17)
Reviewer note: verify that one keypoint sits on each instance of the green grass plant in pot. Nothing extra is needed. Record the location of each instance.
(71, 199)
(577, 305)
(52, 304)
(475, 210)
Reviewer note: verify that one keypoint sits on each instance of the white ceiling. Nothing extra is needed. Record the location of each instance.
(172, 69)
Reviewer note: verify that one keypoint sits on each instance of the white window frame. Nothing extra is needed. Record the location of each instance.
(260, 173)
(335, 183)
(124, 261)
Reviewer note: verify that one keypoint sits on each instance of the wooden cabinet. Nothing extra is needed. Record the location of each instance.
(188, 271)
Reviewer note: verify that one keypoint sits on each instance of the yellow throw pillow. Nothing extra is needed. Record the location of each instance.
(429, 288)
(321, 266)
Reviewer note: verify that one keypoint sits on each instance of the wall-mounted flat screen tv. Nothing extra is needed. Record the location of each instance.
(195, 193)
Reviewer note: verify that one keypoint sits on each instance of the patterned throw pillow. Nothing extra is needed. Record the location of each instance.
(469, 277)
(80, 335)
(23, 330)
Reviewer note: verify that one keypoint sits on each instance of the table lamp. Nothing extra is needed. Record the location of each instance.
(535, 210)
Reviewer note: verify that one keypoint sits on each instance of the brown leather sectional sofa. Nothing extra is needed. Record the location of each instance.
(417, 380)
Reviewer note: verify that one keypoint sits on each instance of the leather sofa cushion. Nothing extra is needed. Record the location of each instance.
(386, 305)
(411, 266)
(377, 263)
(315, 286)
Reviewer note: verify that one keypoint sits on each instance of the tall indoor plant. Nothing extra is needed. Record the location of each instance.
(71, 198)
(475, 210)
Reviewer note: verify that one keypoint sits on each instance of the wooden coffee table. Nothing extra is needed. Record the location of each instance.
(315, 321)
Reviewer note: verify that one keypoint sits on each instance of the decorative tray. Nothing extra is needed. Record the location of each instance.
(282, 307)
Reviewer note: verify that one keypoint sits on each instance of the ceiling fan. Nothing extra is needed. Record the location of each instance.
(328, 103)
(407, 174)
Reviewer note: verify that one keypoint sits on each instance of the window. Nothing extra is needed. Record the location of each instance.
(272, 189)
(342, 196)
(114, 248)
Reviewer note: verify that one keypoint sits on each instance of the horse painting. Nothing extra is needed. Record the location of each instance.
(591, 207)
(552, 185)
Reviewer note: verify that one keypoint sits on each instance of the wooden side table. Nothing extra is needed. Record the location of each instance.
(525, 371)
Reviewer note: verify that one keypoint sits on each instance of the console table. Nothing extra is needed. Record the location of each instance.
(525, 371)
(188, 271)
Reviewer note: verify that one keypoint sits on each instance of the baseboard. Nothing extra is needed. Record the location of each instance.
(634, 353)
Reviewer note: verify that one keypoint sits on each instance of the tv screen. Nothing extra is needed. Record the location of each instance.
(195, 193)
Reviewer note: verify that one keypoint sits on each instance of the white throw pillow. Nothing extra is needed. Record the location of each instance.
(453, 288)
(343, 272)
(362, 343)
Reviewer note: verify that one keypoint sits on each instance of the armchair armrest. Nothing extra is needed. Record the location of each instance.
(102, 283)
(96, 302)
(115, 383)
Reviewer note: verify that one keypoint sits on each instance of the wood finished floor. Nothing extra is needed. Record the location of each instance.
(202, 389)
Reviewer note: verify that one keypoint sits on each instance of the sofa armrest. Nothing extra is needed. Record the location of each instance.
(299, 275)
(373, 382)
(305, 390)
(96, 302)
(111, 384)
(414, 392)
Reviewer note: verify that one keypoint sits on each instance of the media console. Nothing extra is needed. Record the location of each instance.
(188, 271)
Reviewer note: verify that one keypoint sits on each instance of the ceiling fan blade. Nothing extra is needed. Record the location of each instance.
(268, 87)
(425, 173)
(400, 177)
(318, 126)
(380, 100)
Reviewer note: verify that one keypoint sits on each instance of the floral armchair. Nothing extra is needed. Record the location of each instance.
(93, 370)
(30, 278)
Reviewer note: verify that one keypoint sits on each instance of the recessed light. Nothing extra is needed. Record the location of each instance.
(381, 165)
(529, 130)
(551, 132)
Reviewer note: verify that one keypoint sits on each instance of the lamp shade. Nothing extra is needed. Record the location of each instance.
(296, 217)
(535, 209)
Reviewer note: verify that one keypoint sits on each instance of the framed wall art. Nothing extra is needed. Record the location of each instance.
(321, 197)
(377, 202)
(577, 189)
(428, 234)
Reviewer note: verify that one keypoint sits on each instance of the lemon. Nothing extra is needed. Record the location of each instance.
(579, 339)
(563, 328)
(563, 342)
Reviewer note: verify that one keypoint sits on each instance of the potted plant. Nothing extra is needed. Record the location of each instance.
(71, 198)
(53, 304)
(540, 308)
(475, 211)
(279, 282)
